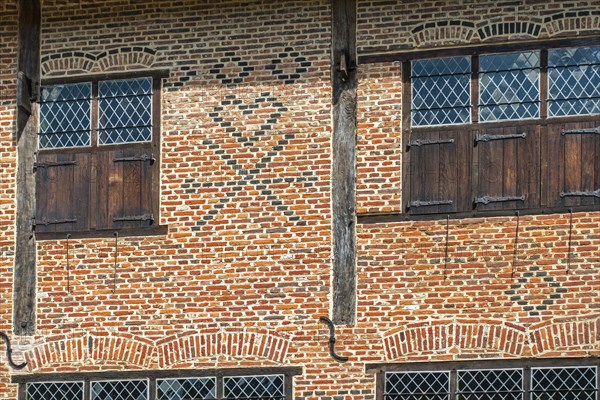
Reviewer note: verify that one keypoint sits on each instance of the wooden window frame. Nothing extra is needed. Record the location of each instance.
(153, 375)
(538, 124)
(454, 366)
(96, 148)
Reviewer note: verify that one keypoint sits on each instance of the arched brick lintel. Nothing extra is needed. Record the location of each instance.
(576, 21)
(580, 334)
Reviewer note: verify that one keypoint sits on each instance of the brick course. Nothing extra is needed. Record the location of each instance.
(244, 271)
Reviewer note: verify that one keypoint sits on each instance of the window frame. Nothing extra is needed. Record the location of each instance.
(475, 125)
(95, 148)
(153, 375)
(526, 365)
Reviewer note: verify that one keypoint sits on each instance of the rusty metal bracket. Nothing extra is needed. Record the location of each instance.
(425, 142)
(332, 340)
(595, 130)
(143, 157)
(6, 339)
(595, 193)
(47, 222)
(492, 199)
(52, 164)
(489, 138)
(421, 203)
(143, 217)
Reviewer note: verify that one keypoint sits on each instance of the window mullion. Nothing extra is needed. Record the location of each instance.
(543, 83)
(219, 378)
(526, 383)
(475, 89)
(453, 384)
(94, 133)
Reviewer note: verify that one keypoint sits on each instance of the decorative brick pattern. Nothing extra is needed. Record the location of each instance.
(572, 21)
(509, 29)
(552, 338)
(443, 33)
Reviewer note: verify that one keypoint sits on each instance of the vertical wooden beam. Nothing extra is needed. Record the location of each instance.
(344, 84)
(26, 137)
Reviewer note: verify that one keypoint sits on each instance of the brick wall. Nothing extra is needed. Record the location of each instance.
(244, 271)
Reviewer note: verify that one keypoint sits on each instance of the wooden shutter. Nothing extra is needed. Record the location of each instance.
(125, 188)
(63, 193)
(573, 174)
(439, 171)
(508, 168)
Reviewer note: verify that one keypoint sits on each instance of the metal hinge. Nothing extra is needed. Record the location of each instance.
(143, 217)
(47, 222)
(143, 157)
(595, 193)
(421, 203)
(425, 142)
(37, 165)
(489, 138)
(595, 130)
(492, 199)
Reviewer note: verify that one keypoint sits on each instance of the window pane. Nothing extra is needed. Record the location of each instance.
(417, 385)
(503, 384)
(65, 116)
(184, 389)
(441, 91)
(120, 390)
(509, 86)
(254, 387)
(125, 111)
(55, 391)
(574, 81)
(576, 383)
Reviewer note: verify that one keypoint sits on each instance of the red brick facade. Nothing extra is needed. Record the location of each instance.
(244, 271)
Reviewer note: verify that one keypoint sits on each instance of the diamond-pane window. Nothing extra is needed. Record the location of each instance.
(498, 384)
(186, 389)
(55, 391)
(254, 387)
(125, 111)
(65, 116)
(509, 86)
(417, 385)
(441, 90)
(574, 81)
(120, 390)
(568, 383)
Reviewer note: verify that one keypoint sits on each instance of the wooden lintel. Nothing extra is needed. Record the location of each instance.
(344, 85)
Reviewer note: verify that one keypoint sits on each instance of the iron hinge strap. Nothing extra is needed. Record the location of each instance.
(595, 193)
(143, 217)
(595, 130)
(46, 222)
(421, 203)
(37, 165)
(425, 142)
(488, 138)
(143, 157)
(492, 199)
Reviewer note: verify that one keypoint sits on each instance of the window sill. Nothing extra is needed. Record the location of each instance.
(158, 230)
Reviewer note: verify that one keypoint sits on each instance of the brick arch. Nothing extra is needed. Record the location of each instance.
(126, 57)
(509, 29)
(243, 344)
(74, 62)
(445, 32)
(449, 336)
(566, 335)
(572, 22)
(84, 349)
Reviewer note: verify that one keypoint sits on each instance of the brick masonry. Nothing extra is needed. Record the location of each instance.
(244, 271)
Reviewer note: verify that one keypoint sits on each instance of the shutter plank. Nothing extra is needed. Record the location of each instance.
(102, 178)
(572, 156)
(509, 168)
(556, 171)
(80, 197)
(115, 189)
(528, 169)
(588, 156)
(491, 166)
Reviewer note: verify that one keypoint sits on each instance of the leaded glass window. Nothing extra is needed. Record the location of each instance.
(509, 86)
(495, 384)
(441, 90)
(185, 389)
(254, 387)
(417, 385)
(125, 111)
(573, 81)
(568, 383)
(65, 116)
(54, 391)
(120, 390)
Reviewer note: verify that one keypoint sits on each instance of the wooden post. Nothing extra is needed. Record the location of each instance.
(26, 137)
(344, 84)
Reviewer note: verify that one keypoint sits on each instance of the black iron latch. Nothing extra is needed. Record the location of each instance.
(425, 142)
(143, 217)
(421, 203)
(595, 130)
(489, 138)
(492, 199)
(46, 222)
(143, 157)
(37, 165)
(595, 193)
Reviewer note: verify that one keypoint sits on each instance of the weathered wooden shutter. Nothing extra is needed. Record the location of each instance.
(439, 171)
(508, 168)
(124, 188)
(63, 192)
(573, 172)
